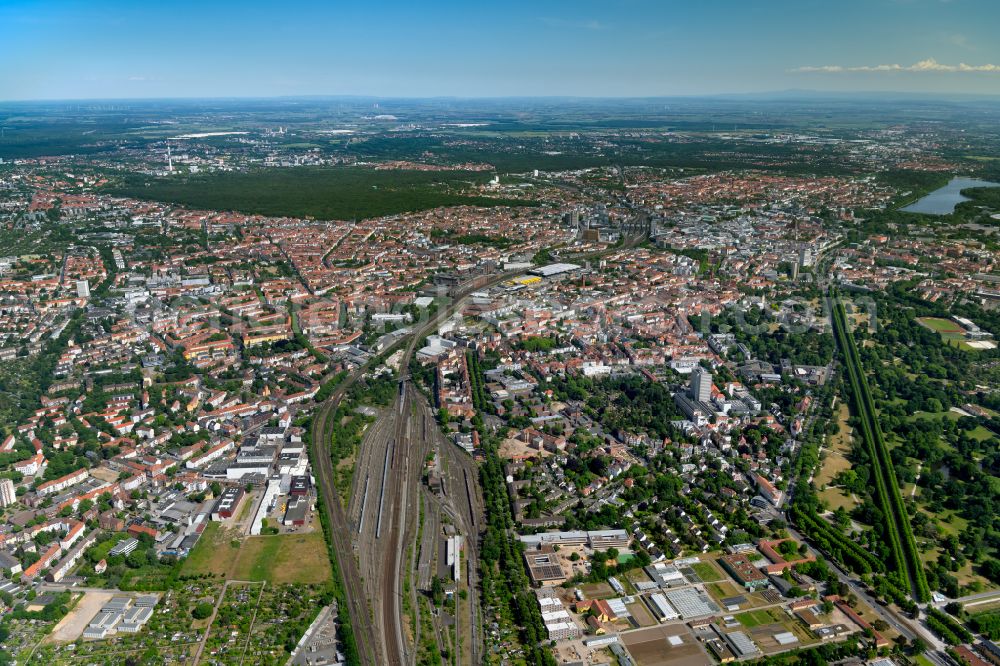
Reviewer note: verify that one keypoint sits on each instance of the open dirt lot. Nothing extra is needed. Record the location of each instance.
(71, 627)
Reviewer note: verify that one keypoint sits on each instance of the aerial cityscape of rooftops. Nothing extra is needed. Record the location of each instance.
(371, 380)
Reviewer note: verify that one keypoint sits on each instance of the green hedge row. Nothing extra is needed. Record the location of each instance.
(901, 542)
(840, 547)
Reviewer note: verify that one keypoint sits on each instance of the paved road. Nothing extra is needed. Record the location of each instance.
(905, 626)
(975, 599)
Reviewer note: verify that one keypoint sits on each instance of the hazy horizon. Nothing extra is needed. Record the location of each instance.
(71, 50)
(763, 95)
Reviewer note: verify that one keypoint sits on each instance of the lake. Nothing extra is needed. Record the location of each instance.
(943, 200)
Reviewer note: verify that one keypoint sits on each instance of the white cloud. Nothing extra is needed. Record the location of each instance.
(928, 65)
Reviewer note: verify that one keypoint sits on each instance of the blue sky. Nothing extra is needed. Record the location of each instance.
(102, 49)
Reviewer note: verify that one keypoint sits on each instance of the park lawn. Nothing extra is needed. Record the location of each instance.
(980, 433)
(966, 575)
(284, 558)
(836, 498)
(835, 461)
(948, 414)
(836, 449)
(950, 522)
(214, 553)
(707, 572)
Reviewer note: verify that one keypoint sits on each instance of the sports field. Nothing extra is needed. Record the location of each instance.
(954, 334)
(941, 325)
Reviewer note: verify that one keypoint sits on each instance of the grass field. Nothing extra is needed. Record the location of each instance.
(723, 590)
(213, 554)
(915, 416)
(835, 460)
(341, 193)
(751, 619)
(285, 558)
(707, 572)
(986, 607)
(980, 433)
(597, 590)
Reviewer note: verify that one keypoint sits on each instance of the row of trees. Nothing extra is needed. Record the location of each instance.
(897, 529)
(505, 581)
(476, 382)
(948, 628)
(830, 540)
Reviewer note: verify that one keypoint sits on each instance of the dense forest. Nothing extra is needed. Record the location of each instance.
(340, 193)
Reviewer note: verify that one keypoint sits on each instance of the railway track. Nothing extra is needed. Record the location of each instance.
(357, 605)
(397, 651)
(383, 641)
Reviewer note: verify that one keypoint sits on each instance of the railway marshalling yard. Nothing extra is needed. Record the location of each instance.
(432, 518)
